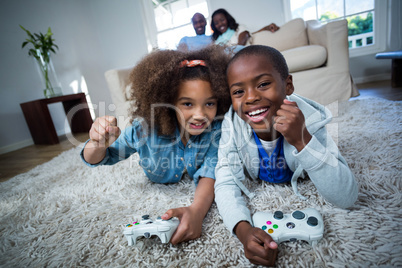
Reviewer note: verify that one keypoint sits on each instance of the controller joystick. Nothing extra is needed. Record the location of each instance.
(306, 225)
(278, 215)
(164, 229)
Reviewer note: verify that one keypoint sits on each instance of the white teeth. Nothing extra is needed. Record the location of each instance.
(198, 125)
(257, 112)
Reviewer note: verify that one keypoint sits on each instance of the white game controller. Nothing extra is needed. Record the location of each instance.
(164, 229)
(306, 225)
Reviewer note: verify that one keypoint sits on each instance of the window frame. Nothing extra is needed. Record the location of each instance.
(380, 29)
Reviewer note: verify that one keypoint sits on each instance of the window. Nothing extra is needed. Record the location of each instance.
(366, 32)
(173, 20)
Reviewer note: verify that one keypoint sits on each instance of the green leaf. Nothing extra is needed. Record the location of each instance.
(41, 41)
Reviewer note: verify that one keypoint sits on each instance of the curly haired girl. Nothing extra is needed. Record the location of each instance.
(180, 99)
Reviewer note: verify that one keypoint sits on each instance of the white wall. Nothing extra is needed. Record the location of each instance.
(93, 36)
(98, 35)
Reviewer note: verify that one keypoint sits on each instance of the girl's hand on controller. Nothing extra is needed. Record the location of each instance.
(190, 226)
(259, 247)
(104, 131)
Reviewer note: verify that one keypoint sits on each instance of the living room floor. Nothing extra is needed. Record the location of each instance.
(23, 160)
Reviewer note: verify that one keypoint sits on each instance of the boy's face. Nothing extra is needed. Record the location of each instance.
(257, 91)
(196, 106)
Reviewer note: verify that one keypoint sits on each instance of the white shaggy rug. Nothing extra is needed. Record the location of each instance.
(63, 213)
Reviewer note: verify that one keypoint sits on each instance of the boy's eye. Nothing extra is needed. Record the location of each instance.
(264, 84)
(237, 92)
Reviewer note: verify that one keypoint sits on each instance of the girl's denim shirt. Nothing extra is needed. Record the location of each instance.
(165, 159)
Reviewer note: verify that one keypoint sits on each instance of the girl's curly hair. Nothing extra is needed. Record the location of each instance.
(232, 24)
(156, 79)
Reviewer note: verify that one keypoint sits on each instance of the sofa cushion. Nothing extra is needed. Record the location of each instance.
(305, 57)
(290, 35)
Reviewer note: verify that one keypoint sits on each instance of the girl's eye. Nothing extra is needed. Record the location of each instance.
(188, 104)
(210, 104)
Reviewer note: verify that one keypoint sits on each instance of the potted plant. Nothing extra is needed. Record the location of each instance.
(43, 44)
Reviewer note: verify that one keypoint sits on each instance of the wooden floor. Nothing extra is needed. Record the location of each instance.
(23, 160)
(379, 89)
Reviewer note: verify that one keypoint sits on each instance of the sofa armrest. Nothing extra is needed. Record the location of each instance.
(334, 37)
(120, 90)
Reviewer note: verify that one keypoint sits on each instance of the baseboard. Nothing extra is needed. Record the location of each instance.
(21, 144)
(372, 78)
(16, 146)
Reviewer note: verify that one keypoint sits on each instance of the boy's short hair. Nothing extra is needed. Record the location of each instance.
(274, 56)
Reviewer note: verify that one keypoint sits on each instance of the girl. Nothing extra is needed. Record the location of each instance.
(175, 129)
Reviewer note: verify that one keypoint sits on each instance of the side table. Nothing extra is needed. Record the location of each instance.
(396, 57)
(40, 123)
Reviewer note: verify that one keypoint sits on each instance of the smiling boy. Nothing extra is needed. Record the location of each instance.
(284, 134)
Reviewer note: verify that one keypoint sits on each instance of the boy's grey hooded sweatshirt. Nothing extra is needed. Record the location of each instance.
(320, 159)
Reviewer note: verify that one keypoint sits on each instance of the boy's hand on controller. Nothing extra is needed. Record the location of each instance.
(190, 225)
(104, 131)
(290, 123)
(259, 247)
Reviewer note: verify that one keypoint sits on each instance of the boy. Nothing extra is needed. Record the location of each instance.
(272, 134)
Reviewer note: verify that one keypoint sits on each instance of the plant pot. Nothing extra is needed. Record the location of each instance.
(52, 87)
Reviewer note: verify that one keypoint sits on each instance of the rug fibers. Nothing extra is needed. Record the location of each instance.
(63, 213)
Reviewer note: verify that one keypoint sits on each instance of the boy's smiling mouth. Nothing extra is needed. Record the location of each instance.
(257, 115)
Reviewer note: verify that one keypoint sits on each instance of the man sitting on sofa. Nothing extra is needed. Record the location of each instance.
(189, 43)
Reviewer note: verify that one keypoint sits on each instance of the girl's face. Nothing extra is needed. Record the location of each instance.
(257, 91)
(220, 22)
(196, 107)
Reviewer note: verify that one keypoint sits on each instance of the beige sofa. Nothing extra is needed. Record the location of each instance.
(118, 83)
(317, 55)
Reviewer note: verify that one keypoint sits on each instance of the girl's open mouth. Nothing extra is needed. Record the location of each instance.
(197, 125)
(257, 115)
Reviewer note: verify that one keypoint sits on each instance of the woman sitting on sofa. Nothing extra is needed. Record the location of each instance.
(228, 31)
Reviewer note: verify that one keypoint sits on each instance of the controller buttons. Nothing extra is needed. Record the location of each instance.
(269, 222)
(290, 225)
(264, 228)
(129, 225)
(270, 231)
(136, 223)
(312, 221)
(298, 215)
(275, 226)
(278, 215)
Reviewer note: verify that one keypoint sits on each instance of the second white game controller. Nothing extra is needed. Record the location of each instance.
(164, 229)
(306, 225)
